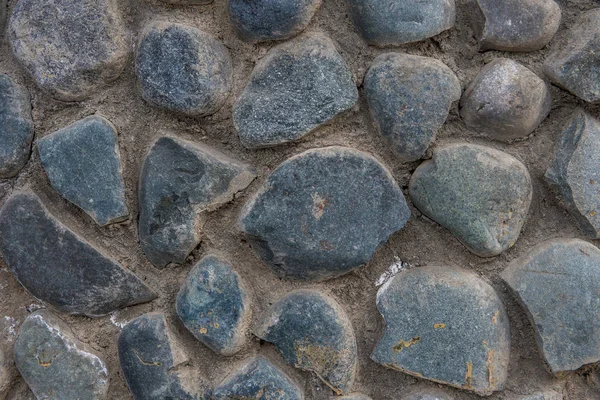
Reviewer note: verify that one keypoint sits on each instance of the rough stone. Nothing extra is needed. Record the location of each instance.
(323, 213)
(481, 195)
(409, 98)
(447, 325)
(428, 394)
(59, 267)
(354, 396)
(83, 164)
(297, 87)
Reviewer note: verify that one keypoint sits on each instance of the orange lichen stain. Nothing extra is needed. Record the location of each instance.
(203, 331)
(439, 326)
(495, 317)
(593, 214)
(485, 342)
(592, 182)
(216, 325)
(469, 375)
(405, 344)
(490, 363)
(319, 204)
(149, 363)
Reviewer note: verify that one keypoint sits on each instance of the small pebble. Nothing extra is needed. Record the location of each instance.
(428, 394)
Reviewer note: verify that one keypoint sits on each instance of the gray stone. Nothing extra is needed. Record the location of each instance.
(188, 2)
(409, 98)
(55, 364)
(323, 213)
(428, 394)
(354, 396)
(180, 183)
(479, 194)
(505, 101)
(313, 333)
(297, 87)
(557, 283)
(83, 164)
(446, 325)
(59, 267)
(84, 44)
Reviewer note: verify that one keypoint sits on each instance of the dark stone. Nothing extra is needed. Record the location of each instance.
(59, 267)
(428, 394)
(297, 87)
(409, 98)
(323, 213)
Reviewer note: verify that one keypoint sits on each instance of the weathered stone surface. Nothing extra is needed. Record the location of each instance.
(214, 305)
(409, 98)
(557, 284)
(323, 213)
(83, 164)
(447, 325)
(59, 267)
(354, 396)
(297, 87)
(428, 394)
(84, 44)
(55, 364)
(180, 182)
(479, 194)
(313, 333)
(505, 101)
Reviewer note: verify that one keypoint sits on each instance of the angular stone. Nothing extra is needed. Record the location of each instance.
(428, 394)
(83, 164)
(354, 396)
(557, 284)
(313, 333)
(409, 98)
(481, 195)
(214, 305)
(183, 69)
(297, 87)
(323, 213)
(180, 182)
(446, 325)
(84, 44)
(59, 267)
(55, 364)
(505, 101)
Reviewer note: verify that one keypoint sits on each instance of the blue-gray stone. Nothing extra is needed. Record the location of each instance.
(428, 394)
(297, 87)
(354, 396)
(481, 195)
(214, 305)
(447, 325)
(180, 182)
(313, 333)
(323, 213)
(409, 98)
(83, 164)
(183, 69)
(59, 267)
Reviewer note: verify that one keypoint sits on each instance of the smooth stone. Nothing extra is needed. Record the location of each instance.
(481, 195)
(214, 305)
(180, 183)
(323, 213)
(446, 325)
(354, 396)
(409, 98)
(428, 394)
(55, 364)
(83, 164)
(297, 87)
(58, 266)
(557, 283)
(313, 333)
(505, 101)
(72, 51)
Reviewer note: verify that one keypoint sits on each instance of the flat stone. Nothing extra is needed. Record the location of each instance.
(214, 305)
(180, 182)
(481, 195)
(505, 101)
(313, 333)
(59, 267)
(323, 213)
(409, 98)
(297, 87)
(83, 164)
(55, 364)
(84, 45)
(428, 394)
(557, 284)
(183, 69)
(446, 325)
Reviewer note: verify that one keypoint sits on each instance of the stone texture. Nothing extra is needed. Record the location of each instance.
(447, 325)
(479, 194)
(409, 98)
(297, 87)
(59, 267)
(428, 394)
(323, 213)
(83, 164)
(354, 396)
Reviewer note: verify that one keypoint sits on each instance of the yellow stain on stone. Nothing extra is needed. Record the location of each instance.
(203, 331)
(490, 363)
(405, 344)
(593, 214)
(469, 375)
(439, 326)
(216, 325)
(495, 317)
